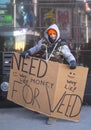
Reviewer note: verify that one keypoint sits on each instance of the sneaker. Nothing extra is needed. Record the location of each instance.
(51, 120)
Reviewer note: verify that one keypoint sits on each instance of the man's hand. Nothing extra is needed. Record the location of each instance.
(25, 54)
(72, 64)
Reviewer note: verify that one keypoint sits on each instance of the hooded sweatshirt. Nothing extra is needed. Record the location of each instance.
(62, 47)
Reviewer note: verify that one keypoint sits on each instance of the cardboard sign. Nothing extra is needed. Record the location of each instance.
(49, 88)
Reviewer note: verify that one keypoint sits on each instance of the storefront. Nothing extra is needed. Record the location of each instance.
(69, 15)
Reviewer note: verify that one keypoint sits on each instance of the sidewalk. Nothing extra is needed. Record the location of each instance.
(20, 118)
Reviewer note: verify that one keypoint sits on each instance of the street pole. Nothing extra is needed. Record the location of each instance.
(14, 3)
(35, 7)
(86, 20)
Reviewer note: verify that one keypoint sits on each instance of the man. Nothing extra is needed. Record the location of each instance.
(52, 47)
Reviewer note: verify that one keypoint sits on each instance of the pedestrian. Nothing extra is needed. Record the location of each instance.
(52, 47)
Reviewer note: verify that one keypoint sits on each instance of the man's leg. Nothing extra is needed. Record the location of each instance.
(51, 120)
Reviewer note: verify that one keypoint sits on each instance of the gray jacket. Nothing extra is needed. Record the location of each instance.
(63, 49)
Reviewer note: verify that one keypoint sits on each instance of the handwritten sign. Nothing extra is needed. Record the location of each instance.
(49, 88)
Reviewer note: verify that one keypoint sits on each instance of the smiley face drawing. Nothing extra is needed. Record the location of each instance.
(71, 75)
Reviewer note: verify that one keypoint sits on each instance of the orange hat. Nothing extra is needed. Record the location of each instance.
(51, 31)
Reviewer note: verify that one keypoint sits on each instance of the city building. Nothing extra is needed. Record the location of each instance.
(22, 23)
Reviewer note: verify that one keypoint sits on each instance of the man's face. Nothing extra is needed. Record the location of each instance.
(53, 36)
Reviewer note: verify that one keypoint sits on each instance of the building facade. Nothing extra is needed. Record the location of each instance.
(35, 16)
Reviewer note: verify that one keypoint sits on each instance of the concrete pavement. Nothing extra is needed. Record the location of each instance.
(20, 118)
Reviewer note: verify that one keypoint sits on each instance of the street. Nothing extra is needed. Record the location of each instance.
(20, 118)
